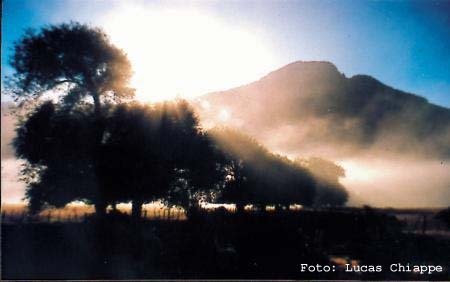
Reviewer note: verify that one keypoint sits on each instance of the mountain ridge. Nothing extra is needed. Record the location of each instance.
(358, 112)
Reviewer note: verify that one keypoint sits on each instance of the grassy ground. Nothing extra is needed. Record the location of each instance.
(220, 245)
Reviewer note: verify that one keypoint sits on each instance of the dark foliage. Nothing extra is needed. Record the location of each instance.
(74, 55)
(157, 152)
(76, 62)
(329, 191)
(59, 148)
(147, 153)
(260, 177)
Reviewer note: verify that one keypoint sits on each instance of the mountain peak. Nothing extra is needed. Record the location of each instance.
(311, 64)
(301, 70)
(322, 110)
(301, 66)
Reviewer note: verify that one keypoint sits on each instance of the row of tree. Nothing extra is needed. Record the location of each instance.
(158, 152)
(96, 145)
(260, 177)
(145, 151)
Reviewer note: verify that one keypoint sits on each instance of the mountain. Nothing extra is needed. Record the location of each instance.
(310, 108)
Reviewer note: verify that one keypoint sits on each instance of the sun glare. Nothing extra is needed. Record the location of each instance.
(358, 172)
(184, 53)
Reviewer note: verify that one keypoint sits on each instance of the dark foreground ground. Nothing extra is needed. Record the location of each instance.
(222, 245)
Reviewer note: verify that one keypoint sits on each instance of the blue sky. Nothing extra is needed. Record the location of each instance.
(405, 44)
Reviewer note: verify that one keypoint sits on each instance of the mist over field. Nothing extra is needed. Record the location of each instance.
(394, 145)
(12, 188)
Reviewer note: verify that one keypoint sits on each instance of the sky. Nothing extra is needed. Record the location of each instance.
(182, 48)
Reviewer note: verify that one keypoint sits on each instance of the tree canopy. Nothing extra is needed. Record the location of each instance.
(147, 153)
(260, 177)
(157, 152)
(58, 147)
(330, 192)
(257, 176)
(75, 59)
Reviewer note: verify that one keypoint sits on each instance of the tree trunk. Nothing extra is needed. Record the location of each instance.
(136, 208)
(279, 208)
(101, 206)
(192, 211)
(100, 209)
(240, 207)
(97, 104)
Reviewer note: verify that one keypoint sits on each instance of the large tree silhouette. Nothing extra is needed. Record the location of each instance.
(78, 64)
(58, 147)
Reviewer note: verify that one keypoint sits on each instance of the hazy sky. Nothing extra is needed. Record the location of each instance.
(182, 48)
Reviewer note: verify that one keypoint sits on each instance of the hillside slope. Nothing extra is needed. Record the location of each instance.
(311, 108)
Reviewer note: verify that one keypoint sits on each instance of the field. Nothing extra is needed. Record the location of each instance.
(223, 244)
(17, 213)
